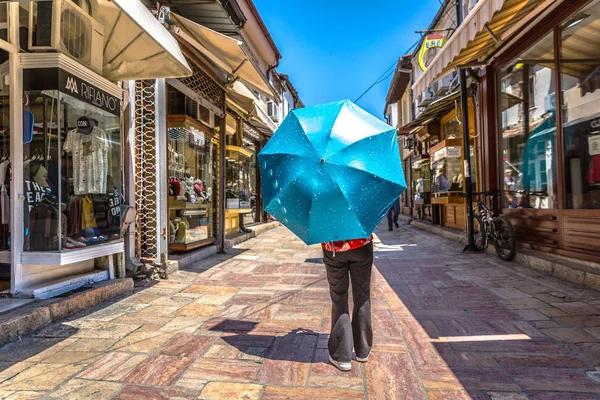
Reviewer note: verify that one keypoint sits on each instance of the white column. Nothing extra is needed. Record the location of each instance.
(161, 174)
(16, 153)
(129, 166)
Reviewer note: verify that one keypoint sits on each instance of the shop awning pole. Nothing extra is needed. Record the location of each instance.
(464, 101)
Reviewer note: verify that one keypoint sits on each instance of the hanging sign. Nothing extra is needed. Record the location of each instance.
(432, 41)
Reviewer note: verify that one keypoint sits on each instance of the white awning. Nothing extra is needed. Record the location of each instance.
(248, 109)
(136, 45)
(484, 30)
(227, 53)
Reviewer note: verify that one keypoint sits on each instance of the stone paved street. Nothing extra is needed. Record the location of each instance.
(253, 325)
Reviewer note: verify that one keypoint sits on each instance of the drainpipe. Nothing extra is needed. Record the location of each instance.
(464, 101)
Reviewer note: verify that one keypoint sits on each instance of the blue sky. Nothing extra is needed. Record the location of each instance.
(335, 49)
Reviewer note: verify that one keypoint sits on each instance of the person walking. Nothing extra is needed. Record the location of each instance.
(392, 215)
(349, 261)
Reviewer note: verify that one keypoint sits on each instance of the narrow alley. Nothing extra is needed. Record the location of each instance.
(253, 325)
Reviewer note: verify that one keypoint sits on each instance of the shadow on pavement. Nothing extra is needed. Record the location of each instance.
(297, 345)
(472, 321)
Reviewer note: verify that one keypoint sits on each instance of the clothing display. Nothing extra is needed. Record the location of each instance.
(90, 160)
(4, 198)
(88, 219)
(593, 172)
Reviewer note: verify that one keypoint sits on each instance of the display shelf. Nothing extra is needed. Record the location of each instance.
(66, 257)
(191, 246)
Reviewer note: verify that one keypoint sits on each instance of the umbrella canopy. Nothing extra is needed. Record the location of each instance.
(331, 172)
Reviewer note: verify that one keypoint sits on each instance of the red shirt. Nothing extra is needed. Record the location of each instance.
(345, 245)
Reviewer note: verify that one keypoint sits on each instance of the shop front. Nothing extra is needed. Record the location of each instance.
(195, 109)
(224, 169)
(548, 136)
(192, 152)
(437, 162)
(61, 170)
(241, 172)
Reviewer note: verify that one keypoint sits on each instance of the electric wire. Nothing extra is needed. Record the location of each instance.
(382, 77)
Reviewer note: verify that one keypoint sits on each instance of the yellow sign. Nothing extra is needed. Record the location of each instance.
(432, 41)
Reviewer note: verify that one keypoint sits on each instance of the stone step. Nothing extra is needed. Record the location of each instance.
(57, 287)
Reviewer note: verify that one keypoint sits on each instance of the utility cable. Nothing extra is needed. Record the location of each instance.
(383, 76)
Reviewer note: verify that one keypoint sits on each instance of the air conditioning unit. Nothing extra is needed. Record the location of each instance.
(425, 99)
(62, 26)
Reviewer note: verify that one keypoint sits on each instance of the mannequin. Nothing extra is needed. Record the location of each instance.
(419, 189)
(190, 194)
(442, 181)
(39, 174)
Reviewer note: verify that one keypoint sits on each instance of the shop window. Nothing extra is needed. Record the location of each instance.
(421, 173)
(5, 164)
(71, 171)
(446, 171)
(580, 79)
(241, 177)
(452, 130)
(527, 115)
(190, 154)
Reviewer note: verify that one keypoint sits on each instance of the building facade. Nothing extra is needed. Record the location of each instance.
(533, 81)
(63, 180)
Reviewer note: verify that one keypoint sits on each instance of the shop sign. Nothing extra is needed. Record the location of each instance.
(85, 91)
(244, 204)
(594, 145)
(440, 154)
(453, 152)
(233, 203)
(196, 137)
(250, 132)
(432, 41)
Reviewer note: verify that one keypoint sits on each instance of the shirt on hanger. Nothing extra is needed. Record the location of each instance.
(90, 160)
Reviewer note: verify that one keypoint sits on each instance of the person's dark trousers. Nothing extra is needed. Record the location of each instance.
(392, 215)
(355, 266)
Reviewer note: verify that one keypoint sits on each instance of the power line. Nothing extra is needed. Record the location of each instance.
(381, 77)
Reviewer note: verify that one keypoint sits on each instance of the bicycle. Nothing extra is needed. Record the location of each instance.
(498, 229)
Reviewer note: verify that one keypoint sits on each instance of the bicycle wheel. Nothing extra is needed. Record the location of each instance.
(479, 232)
(505, 243)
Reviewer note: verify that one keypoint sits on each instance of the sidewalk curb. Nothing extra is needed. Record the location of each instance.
(183, 261)
(28, 319)
(575, 271)
(256, 230)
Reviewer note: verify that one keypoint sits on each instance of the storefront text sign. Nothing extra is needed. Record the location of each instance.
(75, 86)
(432, 41)
(439, 155)
(453, 152)
(85, 91)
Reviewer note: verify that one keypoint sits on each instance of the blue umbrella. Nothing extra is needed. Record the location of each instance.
(331, 172)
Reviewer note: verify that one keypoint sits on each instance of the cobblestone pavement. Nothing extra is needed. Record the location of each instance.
(253, 325)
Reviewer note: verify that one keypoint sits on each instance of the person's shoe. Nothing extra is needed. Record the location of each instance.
(342, 366)
(363, 360)
(390, 229)
(396, 225)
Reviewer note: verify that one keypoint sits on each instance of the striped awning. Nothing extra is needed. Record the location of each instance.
(484, 30)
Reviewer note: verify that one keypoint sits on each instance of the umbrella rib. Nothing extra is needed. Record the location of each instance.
(355, 143)
(362, 170)
(343, 194)
(290, 182)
